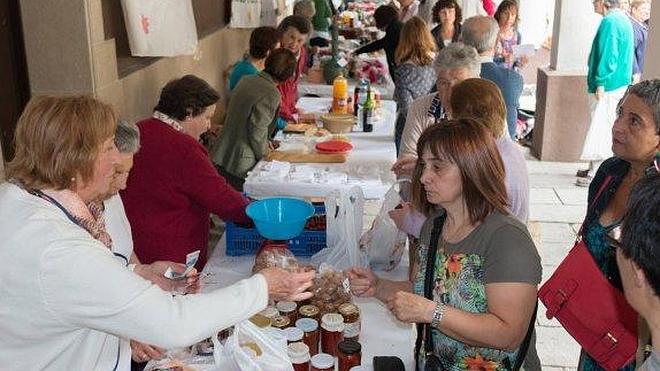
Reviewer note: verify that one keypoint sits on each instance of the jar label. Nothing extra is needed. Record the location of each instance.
(351, 330)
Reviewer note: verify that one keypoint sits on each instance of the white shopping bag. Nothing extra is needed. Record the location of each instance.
(245, 13)
(232, 357)
(384, 243)
(343, 227)
(160, 28)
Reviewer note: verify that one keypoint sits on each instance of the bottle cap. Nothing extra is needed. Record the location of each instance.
(307, 324)
(298, 352)
(293, 334)
(323, 361)
(349, 347)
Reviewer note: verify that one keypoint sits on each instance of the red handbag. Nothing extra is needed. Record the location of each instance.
(595, 313)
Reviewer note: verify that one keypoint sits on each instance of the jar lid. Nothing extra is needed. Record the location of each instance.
(270, 312)
(348, 309)
(309, 310)
(332, 321)
(307, 324)
(260, 321)
(298, 352)
(280, 321)
(293, 334)
(349, 347)
(286, 306)
(358, 368)
(323, 361)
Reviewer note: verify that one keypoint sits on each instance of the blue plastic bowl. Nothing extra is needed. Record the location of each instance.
(280, 218)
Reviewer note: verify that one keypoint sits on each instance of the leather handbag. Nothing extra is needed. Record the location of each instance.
(593, 311)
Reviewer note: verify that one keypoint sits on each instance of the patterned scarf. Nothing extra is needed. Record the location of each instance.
(168, 120)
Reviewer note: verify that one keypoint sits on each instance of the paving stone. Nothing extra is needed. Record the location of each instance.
(552, 253)
(556, 232)
(543, 196)
(542, 320)
(551, 180)
(556, 348)
(573, 196)
(557, 213)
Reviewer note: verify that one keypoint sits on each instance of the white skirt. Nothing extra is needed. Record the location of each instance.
(598, 144)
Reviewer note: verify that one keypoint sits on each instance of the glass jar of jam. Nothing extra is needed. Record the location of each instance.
(352, 322)
(309, 311)
(332, 332)
(260, 321)
(323, 362)
(293, 335)
(299, 356)
(280, 322)
(349, 354)
(310, 329)
(288, 309)
(270, 312)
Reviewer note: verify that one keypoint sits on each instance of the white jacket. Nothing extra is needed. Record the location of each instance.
(66, 299)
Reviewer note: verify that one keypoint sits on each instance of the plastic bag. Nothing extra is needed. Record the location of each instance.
(344, 226)
(331, 289)
(384, 243)
(181, 360)
(240, 351)
(274, 255)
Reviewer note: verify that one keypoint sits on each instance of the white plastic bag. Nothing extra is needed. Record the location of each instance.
(245, 13)
(343, 227)
(160, 28)
(232, 357)
(384, 243)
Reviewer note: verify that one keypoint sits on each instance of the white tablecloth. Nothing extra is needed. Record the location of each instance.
(323, 90)
(382, 334)
(368, 165)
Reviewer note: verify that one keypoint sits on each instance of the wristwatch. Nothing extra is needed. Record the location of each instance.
(438, 314)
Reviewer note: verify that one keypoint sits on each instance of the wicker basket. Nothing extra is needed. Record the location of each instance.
(338, 123)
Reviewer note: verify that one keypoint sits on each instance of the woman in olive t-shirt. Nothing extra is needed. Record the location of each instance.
(486, 269)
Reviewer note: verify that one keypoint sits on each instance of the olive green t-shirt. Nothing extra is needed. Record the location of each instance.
(498, 250)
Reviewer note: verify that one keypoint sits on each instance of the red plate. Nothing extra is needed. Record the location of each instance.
(334, 146)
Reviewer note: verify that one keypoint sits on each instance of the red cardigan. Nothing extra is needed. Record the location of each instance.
(171, 191)
(289, 88)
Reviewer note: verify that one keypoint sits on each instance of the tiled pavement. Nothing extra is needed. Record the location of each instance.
(557, 208)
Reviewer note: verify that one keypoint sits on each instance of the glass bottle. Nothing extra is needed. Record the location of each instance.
(323, 362)
(299, 356)
(352, 321)
(309, 311)
(368, 112)
(288, 309)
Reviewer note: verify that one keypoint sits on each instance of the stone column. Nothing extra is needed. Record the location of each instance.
(652, 57)
(2, 166)
(562, 108)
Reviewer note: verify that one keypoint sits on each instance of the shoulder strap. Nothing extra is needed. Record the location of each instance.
(602, 188)
(424, 330)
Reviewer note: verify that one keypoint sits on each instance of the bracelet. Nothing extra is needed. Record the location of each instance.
(438, 314)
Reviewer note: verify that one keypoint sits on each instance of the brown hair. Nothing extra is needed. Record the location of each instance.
(469, 145)
(480, 99)
(263, 40)
(59, 138)
(280, 64)
(442, 4)
(416, 44)
(384, 15)
(504, 6)
(187, 96)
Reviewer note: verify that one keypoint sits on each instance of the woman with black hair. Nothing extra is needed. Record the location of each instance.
(387, 19)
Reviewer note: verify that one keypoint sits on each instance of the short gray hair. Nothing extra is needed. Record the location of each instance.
(127, 137)
(458, 55)
(612, 3)
(649, 92)
(480, 32)
(305, 8)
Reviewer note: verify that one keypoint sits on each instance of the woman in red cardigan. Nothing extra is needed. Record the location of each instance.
(173, 187)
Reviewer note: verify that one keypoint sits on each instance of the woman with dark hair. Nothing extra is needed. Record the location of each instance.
(387, 19)
(484, 269)
(263, 40)
(251, 118)
(507, 18)
(173, 186)
(635, 143)
(448, 16)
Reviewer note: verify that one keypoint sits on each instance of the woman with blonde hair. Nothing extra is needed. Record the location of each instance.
(414, 75)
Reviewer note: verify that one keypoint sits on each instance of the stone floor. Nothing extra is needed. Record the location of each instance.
(557, 208)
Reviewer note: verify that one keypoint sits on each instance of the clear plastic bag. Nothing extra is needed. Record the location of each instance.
(274, 256)
(344, 226)
(384, 243)
(331, 288)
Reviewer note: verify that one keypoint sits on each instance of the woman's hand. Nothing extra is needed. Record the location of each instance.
(363, 281)
(155, 273)
(141, 352)
(283, 285)
(411, 308)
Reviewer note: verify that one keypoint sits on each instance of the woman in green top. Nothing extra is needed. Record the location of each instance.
(486, 268)
(263, 40)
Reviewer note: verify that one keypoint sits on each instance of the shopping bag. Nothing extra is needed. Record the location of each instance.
(343, 227)
(384, 243)
(160, 28)
(245, 13)
(234, 356)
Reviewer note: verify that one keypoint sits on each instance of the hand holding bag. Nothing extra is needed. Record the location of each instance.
(595, 313)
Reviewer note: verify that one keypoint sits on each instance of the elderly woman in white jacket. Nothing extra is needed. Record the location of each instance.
(66, 299)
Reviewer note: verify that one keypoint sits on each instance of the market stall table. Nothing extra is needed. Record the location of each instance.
(367, 166)
(381, 334)
(306, 88)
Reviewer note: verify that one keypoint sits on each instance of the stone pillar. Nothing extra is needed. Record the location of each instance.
(2, 166)
(652, 57)
(562, 108)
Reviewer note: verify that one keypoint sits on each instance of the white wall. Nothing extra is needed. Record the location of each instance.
(536, 20)
(575, 26)
(652, 57)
